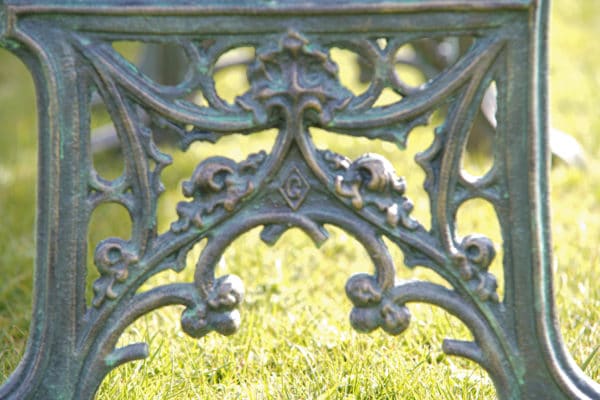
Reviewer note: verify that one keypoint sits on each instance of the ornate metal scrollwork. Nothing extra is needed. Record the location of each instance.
(294, 86)
(216, 182)
(371, 180)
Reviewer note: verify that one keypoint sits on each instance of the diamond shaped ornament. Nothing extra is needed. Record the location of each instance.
(294, 189)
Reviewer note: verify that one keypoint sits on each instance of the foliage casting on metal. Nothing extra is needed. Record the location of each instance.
(294, 85)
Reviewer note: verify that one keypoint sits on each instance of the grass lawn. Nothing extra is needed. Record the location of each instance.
(295, 341)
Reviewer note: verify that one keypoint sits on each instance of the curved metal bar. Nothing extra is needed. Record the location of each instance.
(103, 357)
(233, 121)
(489, 352)
(484, 51)
(311, 225)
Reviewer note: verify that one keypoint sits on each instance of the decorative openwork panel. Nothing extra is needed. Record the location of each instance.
(294, 86)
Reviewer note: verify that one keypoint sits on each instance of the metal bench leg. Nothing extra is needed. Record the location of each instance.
(294, 85)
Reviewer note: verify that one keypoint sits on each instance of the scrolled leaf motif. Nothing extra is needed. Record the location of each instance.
(371, 180)
(113, 258)
(477, 254)
(217, 181)
(294, 75)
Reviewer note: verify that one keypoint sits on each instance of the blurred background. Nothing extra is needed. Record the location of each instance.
(295, 340)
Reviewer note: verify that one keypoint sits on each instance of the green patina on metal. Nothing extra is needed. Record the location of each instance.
(294, 85)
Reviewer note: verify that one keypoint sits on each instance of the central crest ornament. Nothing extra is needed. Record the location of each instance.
(296, 76)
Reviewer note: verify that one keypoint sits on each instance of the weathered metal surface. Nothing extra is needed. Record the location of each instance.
(294, 85)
